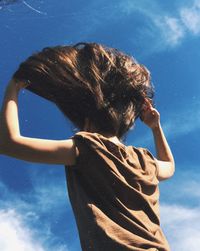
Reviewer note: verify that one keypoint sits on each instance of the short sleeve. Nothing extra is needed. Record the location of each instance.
(81, 159)
(87, 144)
(151, 160)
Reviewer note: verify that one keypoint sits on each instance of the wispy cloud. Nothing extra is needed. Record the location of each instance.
(181, 226)
(165, 29)
(183, 121)
(190, 16)
(26, 216)
(47, 191)
(180, 218)
(171, 29)
(15, 235)
(180, 223)
(183, 188)
(191, 188)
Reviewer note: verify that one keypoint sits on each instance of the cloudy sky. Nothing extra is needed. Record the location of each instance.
(35, 212)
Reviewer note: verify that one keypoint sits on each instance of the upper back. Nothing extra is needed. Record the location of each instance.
(111, 185)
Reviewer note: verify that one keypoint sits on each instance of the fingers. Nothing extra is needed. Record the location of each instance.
(148, 102)
(148, 111)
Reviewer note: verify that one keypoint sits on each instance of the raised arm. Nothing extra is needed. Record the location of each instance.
(166, 166)
(25, 148)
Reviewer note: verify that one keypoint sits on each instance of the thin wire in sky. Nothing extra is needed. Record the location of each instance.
(30, 7)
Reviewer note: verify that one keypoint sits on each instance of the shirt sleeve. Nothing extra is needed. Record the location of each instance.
(81, 159)
(84, 151)
(151, 160)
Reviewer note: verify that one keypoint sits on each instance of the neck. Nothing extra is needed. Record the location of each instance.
(89, 127)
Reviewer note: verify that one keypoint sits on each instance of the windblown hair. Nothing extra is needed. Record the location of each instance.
(89, 80)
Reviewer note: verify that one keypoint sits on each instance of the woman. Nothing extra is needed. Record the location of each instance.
(113, 188)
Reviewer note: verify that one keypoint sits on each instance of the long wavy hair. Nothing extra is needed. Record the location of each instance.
(90, 80)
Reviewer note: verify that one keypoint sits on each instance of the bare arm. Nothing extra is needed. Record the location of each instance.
(165, 160)
(25, 148)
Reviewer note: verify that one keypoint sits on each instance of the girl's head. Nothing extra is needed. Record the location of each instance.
(90, 81)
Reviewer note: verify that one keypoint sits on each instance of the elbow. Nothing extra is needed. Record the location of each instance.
(6, 145)
(173, 167)
(4, 148)
(166, 170)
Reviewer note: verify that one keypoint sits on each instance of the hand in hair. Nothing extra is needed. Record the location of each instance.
(165, 161)
(149, 115)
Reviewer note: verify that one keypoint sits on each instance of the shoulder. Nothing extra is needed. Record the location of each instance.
(163, 169)
(147, 161)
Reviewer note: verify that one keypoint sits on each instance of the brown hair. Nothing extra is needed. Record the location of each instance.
(89, 80)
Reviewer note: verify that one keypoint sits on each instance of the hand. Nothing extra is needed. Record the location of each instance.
(149, 115)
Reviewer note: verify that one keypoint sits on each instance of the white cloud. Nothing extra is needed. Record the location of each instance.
(172, 30)
(183, 120)
(181, 226)
(160, 26)
(177, 214)
(128, 7)
(163, 28)
(22, 215)
(180, 219)
(50, 194)
(15, 235)
(191, 188)
(184, 186)
(168, 29)
(190, 17)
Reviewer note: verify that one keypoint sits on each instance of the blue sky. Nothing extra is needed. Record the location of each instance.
(35, 213)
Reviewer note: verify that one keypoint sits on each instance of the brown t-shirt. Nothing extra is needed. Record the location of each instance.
(114, 194)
